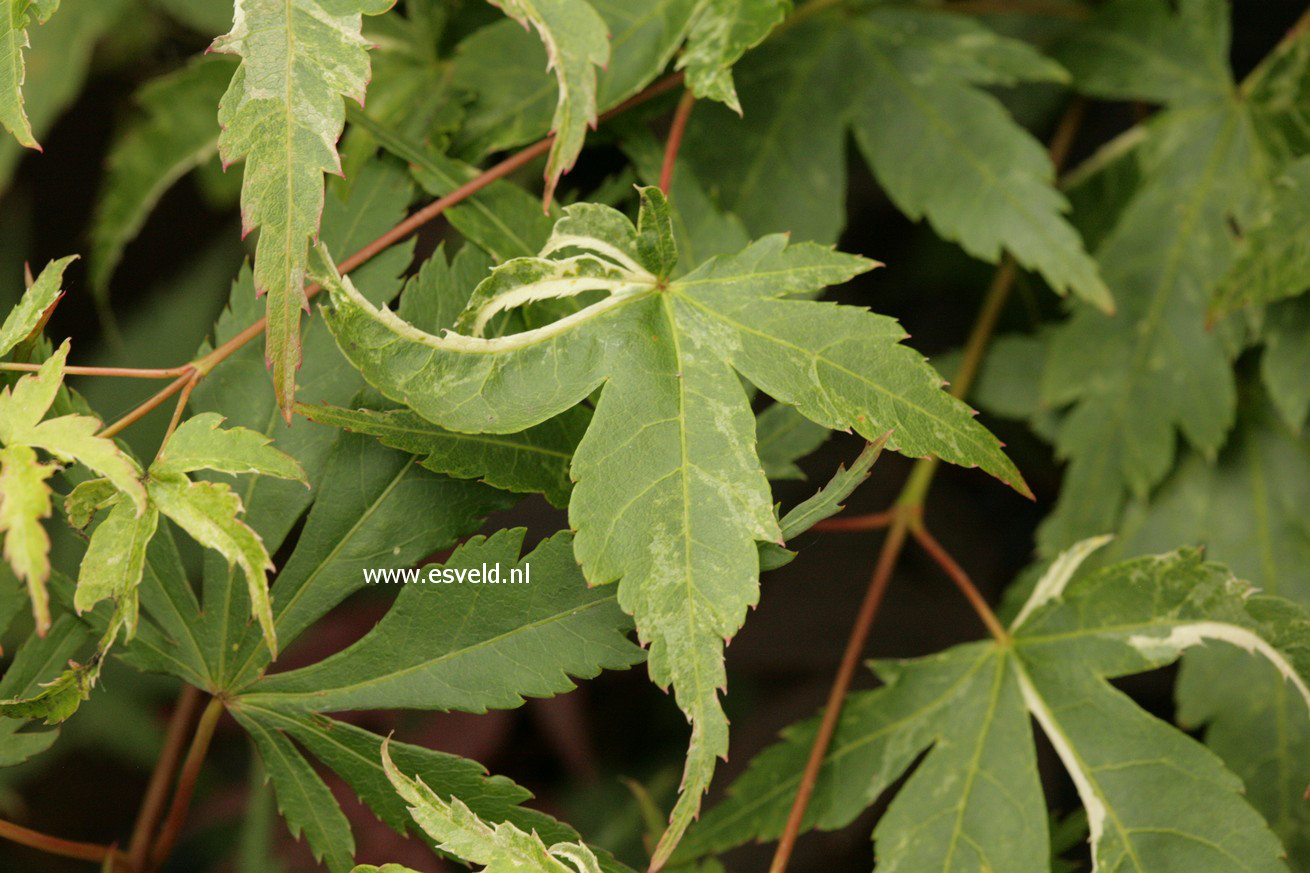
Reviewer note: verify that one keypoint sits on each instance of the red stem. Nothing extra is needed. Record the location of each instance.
(152, 805)
(56, 846)
(871, 521)
(679, 126)
(882, 574)
(186, 785)
(962, 581)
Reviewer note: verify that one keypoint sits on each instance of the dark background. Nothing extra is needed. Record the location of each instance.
(570, 751)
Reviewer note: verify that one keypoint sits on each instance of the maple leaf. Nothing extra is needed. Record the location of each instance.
(670, 495)
(283, 115)
(500, 848)
(719, 33)
(577, 41)
(975, 801)
(34, 307)
(14, 21)
(24, 494)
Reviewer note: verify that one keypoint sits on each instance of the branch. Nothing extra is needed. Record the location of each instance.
(63, 848)
(152, 805)
(142, 409)
(962, 581)
(186, 785)
(129, 372)
(676, 130)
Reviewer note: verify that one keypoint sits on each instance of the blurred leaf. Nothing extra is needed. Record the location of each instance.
(57, 66)
(1274, 259)
(174, 132)
(1286, 360)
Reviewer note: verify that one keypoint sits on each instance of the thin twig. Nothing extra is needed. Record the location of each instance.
(871, 521)
(152, 804)
(179, 409)
(676, 130)
(962, 581)
(56, 846)
(882, 574)
(127, 372)
(186, 784)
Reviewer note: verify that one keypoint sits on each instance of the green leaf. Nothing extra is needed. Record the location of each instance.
(1158, 369)
(501, 848)
(434, 298)
(239, 390)
(1274, 259)
(974, 803)
(86, 499)
(283, 115)
(955, 155)
(576, 40)
(784, 436)
(303, 799)
(1286, 360)
(701, 229)
(514, 104)
(60, 698)
(19, 15)
(57, 65)
(784, 167)
(115, 560)
(28, 315)
(355, 755)
(24, 501)
(171, 642)
(721, 32)
(200, 444)
(535, 460)
(174, 132)
(826, 502)
(376, 508)
(666, 351)
(1144, 50)
(502, 219)
(208, 512)
(68, 437)
(1250, 509)
(455, 640)
(39, 659)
